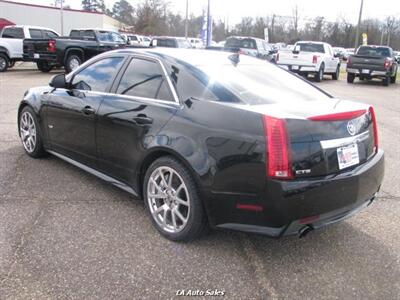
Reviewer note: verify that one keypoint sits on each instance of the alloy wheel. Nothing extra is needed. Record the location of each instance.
(3, 63)
(73, 63)
(168, 199)
(27, 130)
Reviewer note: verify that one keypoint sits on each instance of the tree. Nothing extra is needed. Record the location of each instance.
(94, 5)
(152, 17)
(124, 12)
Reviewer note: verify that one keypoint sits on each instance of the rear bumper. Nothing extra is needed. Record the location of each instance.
(50, 58)
(370, 73)
(289, 206)
(299, 69)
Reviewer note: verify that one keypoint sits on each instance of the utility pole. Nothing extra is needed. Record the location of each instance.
(209, 26)
(62, 16)
(186, 19)
(359, 25)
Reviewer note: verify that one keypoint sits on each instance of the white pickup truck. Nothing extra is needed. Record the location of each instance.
(11, 42)
(315, 58)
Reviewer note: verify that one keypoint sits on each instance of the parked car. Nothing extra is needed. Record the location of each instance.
(170, 42)
(136, 40)
(207, 140)
(350, 51)
(315, 58)
(71, 51)
(11, 40)
(250, 46)
(196, 43)
(341, 53)
(373, 62)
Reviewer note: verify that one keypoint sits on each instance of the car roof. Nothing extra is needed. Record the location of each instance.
(29, 27)
(195, 57)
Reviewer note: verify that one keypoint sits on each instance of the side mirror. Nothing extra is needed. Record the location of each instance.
(58, 82)
(296, 49)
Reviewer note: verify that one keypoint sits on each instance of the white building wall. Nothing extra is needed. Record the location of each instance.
(21, 14)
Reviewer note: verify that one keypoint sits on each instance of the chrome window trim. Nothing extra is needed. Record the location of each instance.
(336, 143)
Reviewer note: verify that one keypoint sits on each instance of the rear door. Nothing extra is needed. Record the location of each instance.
(130, 118)
(14, 37)
(71, 114)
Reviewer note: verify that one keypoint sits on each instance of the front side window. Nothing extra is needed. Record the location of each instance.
(97, 76)
(13, 33)
(49, 34)
(35, 33)
(144, 78)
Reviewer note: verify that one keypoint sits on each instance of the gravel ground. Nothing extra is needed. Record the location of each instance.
(65, 234)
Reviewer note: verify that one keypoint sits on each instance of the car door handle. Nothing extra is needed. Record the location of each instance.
(142, 119)
(88, 110)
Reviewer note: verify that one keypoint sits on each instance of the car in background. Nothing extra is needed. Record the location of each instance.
(250, 46)
(196, 43)
(341, 53)
(350, 51)
(207, 140)
(397, 55)
(316, 58)
(70, 51)
(11, 42)
(371, 62)
(136, 40)
(171, 42)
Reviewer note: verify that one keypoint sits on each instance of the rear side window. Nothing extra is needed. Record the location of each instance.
(13, 33)
(144, 78)
(74, 33)
(97, 76)
(133, 38)
(374, 51)
(166, 43)
(35, 33)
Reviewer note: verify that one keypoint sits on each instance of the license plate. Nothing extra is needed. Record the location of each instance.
(348, 156)
(36, 55)
(365, 71)
(295, 67)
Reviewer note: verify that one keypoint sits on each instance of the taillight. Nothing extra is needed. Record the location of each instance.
(51, 46)
(277, 57)
(277, 149)
(374, 123)
(387, 64)
(348, 115)
(314, 59)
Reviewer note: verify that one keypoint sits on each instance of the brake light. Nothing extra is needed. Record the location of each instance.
(339, 116)
(51, 46)
(387, 64)
(277, 149)
(374, 123)
(314, 59)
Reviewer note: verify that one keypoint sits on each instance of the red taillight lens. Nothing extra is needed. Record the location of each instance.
(51, 46)
(348, 115)
(373, 117)
(278, 152)
(314, 59)
(387, 64)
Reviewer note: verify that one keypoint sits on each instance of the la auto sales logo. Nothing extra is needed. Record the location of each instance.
(203, 293)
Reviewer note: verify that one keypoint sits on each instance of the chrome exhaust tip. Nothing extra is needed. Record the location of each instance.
(305, 230)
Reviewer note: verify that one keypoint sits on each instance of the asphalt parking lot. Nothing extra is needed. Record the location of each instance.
(65, 234)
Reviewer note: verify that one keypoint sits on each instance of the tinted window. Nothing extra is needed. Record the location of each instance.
(74, 33)
(109, 36)
(98, 76)
(35, 33)
(133, 38)
(87, 34)
(374, 51)
(166, 43)
(49, 34)
(144, 78)
(241, 43)
(310, 47)
(13, 33)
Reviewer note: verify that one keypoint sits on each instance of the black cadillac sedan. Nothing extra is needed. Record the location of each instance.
(210, 139)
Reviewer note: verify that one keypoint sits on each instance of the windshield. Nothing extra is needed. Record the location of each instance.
(374, 51)
(261, 83)
(241, 43)
(109, 36)
(311, 47)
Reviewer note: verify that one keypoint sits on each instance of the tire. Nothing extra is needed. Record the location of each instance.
(350, 77)
(320, 74)
(192, 222)
(30, 134)
(4, 62)
(386, 81)
(393, 78)
(44, 66)
(73, 61)
(335, 76)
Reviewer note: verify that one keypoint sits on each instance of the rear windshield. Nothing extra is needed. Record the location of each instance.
(241, 43)
(166, 43)
(261, 83)
(310, 47)
(374, 51)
